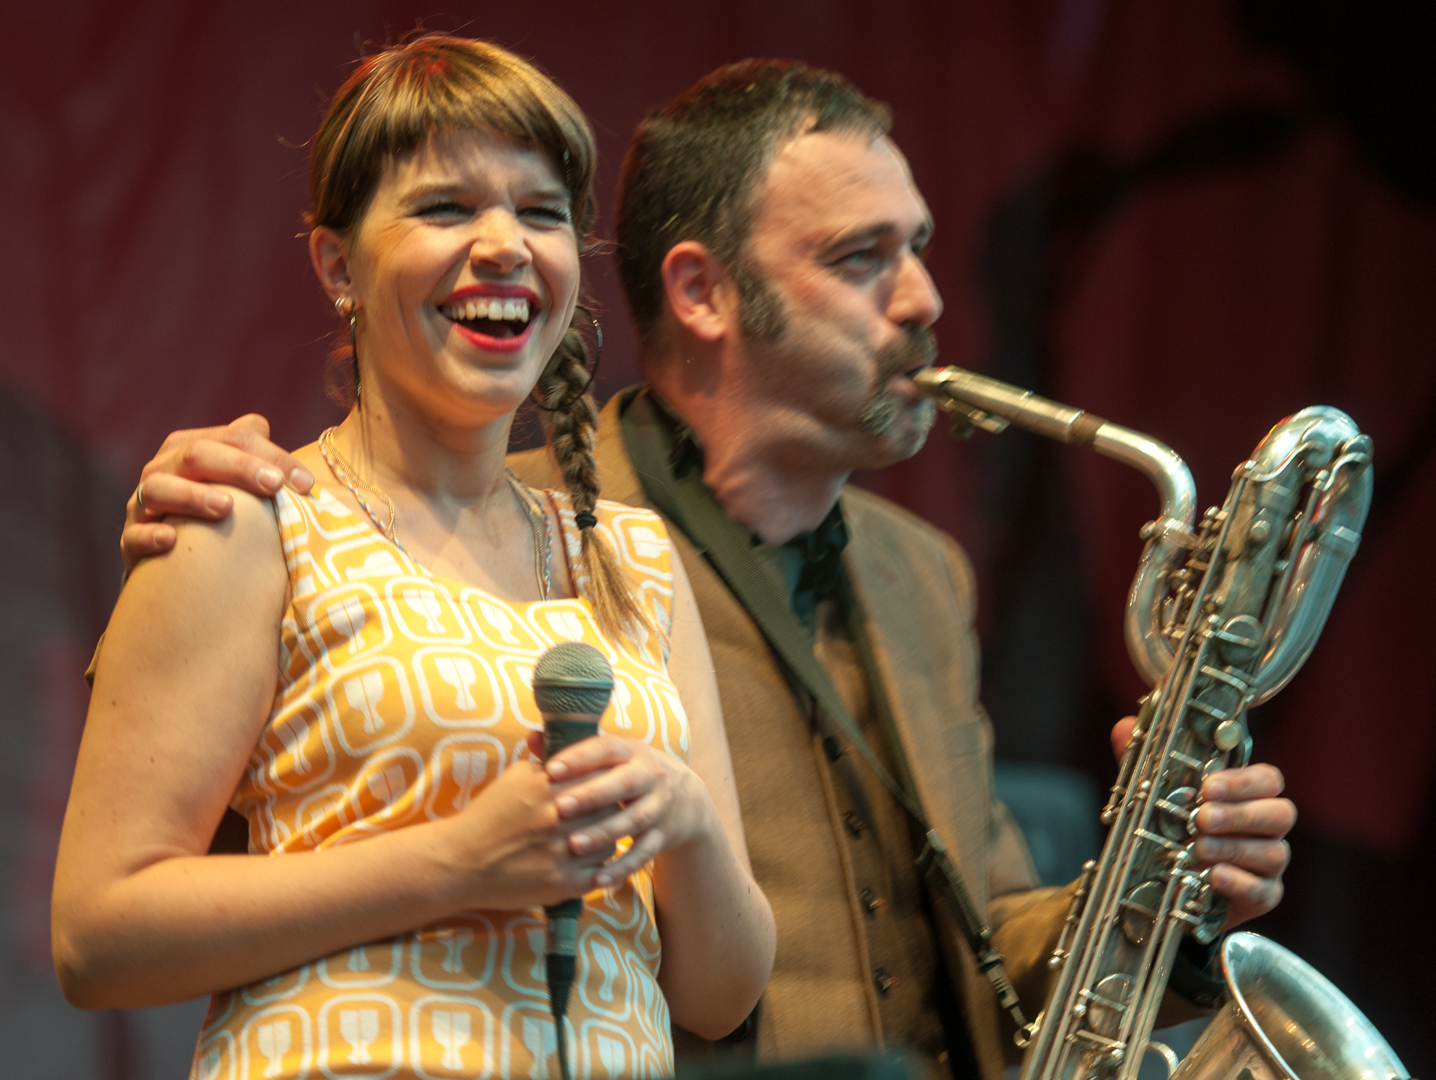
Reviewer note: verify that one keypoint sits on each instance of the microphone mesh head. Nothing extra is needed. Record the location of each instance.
(572, 677)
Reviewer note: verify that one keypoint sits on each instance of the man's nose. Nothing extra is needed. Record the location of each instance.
(915, 300)
(498, 243)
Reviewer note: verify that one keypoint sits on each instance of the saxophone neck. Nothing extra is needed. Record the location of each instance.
(978, 401)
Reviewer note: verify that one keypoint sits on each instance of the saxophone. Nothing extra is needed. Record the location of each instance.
(1222, 613)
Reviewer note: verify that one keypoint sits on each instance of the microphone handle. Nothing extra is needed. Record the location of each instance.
(561, 951)
(561, 732)
(558, 734)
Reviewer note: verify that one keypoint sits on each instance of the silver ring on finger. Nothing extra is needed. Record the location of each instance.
(140, 498)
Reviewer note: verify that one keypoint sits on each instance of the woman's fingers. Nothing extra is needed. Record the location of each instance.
(613, 787)
(645, 849)
(631, 791)
(517, 847)
(587, 755)
(634, 819)
(603, 772)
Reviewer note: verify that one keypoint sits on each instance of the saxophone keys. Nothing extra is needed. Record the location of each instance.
(1177, 810)
(1139, 911)
(1229, 735)
(1107, 1002)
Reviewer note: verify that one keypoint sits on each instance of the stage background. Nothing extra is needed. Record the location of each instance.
(1190, 217)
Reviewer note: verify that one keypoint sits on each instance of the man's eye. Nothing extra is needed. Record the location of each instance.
(862, 260)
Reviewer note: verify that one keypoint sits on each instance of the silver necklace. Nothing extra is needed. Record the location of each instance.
(527, 499)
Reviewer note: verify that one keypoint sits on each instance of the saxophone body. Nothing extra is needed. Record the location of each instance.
(1222, 613)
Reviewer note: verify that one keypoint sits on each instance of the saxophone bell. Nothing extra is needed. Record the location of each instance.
(1285, 1021)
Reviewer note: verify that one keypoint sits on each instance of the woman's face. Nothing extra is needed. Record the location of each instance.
(466, 268)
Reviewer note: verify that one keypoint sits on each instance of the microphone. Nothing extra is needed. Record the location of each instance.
(572, 683)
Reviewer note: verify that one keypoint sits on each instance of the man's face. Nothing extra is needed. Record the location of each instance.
(836, 245)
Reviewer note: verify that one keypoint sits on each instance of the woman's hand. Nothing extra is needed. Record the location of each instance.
(618, 787)
(515, 847)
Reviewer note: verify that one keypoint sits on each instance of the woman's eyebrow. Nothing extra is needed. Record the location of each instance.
(422, 189)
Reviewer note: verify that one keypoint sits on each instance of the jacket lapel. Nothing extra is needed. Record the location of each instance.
(891, 600)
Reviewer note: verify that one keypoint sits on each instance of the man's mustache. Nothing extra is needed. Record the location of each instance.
(917, 348)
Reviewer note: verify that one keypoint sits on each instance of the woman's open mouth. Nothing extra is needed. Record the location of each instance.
(502, 318)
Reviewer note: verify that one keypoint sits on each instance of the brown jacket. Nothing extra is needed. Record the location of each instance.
(916, 591)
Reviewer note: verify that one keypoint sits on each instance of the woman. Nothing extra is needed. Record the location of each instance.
(386, 749)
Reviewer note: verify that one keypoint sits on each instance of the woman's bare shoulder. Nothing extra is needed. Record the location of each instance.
(237, 560)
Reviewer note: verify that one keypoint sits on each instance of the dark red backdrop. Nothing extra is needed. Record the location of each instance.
(1177, 229)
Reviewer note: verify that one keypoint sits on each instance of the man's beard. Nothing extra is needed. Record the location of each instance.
(884, 406)
(764, 317)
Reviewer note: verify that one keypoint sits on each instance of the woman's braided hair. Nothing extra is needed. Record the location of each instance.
(394, 101)
(572, 418)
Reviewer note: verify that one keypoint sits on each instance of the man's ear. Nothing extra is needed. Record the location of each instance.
(699, 290)
(329, 252)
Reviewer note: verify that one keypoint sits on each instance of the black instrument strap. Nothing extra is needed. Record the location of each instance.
(728, 547)
(933, 862)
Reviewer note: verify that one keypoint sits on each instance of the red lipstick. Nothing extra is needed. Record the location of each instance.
(494, 292)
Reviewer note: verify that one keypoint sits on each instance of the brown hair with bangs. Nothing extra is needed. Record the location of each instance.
(399, 97)
(394, 101)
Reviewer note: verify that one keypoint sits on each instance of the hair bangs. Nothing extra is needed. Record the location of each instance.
(400, 98)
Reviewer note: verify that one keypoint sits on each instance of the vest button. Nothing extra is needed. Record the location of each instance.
(741, 1032)
(883, 981)
(854, 823)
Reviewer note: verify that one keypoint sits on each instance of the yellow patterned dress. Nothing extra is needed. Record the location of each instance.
(401, 695)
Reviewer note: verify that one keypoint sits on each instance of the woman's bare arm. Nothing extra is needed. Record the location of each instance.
(185, 683)
(711, 913)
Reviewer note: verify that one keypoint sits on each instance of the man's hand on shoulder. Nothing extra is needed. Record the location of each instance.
(178, 480)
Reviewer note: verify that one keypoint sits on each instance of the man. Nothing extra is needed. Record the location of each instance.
(770, 243)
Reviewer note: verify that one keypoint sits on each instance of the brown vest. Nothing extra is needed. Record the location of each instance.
(915, 589)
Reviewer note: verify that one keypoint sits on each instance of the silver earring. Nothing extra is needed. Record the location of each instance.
(345, 307)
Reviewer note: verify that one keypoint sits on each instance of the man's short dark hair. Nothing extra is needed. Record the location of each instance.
(691, 170)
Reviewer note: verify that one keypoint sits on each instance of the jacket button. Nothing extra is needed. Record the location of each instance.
(883, 981)
(741, 1032)
(832, 748)
(869, 901)
(853, 822)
